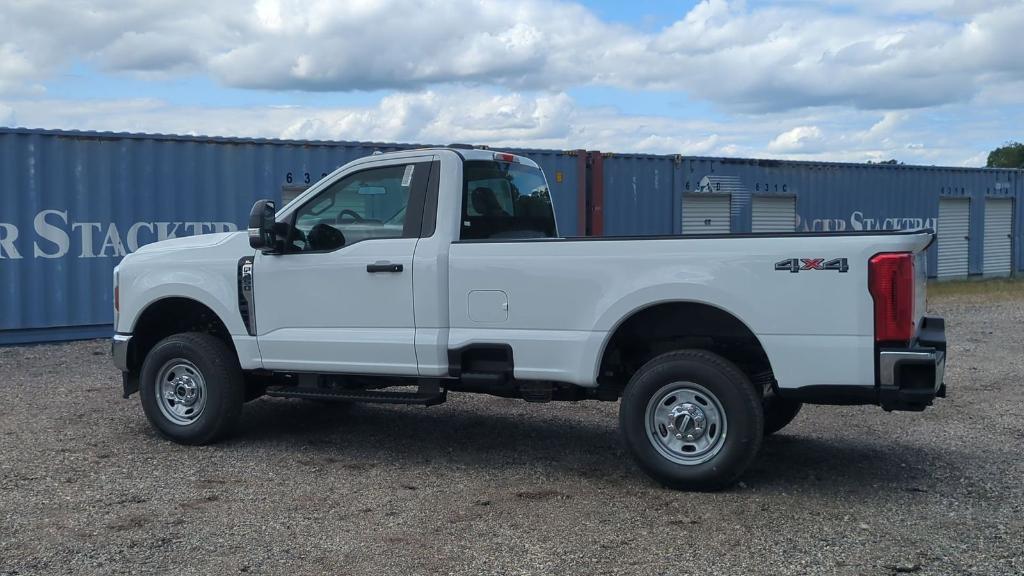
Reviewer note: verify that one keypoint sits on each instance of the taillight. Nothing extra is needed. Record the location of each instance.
(891, 283)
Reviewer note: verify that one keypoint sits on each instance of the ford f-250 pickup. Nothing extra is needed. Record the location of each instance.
(402, 276)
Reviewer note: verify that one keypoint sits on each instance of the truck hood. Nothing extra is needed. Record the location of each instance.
(185, 242)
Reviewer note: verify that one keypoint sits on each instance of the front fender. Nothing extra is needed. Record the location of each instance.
(206, 274)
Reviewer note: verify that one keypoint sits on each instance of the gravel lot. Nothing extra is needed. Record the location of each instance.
(485, 485)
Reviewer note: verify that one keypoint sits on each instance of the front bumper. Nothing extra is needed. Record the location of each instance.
(911, 378)
(121, 352)
(120, 345)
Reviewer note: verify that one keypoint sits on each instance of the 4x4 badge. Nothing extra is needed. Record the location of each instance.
(795, 265)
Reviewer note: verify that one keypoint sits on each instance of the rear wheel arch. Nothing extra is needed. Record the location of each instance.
(664, 326)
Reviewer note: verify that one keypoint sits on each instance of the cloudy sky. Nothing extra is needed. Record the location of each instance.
(922, 81)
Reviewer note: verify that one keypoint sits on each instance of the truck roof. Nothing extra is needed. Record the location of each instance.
(466, 153)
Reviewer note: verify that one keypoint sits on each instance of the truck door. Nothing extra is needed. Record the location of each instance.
(339, 296)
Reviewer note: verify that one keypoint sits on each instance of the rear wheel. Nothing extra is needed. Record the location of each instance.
(192, 388)
(692, 420)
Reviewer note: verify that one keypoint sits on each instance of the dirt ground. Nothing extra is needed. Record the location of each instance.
(483, 485)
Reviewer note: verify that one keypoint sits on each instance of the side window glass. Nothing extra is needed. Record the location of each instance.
(505, 200)
(362, 206)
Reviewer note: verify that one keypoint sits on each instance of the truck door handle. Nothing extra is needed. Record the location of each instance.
(383, 266)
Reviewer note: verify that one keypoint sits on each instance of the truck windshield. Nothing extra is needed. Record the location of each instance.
(505, 200)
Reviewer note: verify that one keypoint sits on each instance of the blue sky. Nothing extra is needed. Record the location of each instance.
(923, 81)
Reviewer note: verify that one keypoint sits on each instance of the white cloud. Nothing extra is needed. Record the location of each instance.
(799, 139)
(6, 115)
(534, 120)
(927, 81)
(742, 58)
(16, 70)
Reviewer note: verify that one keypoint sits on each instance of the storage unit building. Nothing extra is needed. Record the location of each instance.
(773, 213)
(998, 243)
(705, 213)
(953, 236)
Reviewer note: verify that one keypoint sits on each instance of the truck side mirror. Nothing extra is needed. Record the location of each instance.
(261, 225)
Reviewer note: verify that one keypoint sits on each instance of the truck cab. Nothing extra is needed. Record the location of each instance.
(403, 276)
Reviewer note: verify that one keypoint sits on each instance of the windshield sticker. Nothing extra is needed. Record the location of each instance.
(407, 177)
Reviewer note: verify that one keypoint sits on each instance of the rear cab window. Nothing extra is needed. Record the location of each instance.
(505, 200)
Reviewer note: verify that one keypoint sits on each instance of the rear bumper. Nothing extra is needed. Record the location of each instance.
(911, 378)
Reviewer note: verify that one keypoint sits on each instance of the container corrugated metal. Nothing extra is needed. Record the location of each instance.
(837, 196)
(638, 189)
(73, 203)
(829, 196)
(1018, 223)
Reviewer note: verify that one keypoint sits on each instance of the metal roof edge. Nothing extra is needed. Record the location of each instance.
(763, 162)
(772, 162)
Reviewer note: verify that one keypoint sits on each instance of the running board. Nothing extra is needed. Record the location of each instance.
(422, 397)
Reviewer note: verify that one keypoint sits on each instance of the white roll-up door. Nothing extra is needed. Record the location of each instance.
(706, 214)
(998, 246)
(773, 214)
(953, 229)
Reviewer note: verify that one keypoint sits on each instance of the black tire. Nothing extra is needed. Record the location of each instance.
(779, 412)
(225, 390)
(738, 399)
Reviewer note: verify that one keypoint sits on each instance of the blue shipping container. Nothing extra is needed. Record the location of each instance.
(73, 203)
(642, 195)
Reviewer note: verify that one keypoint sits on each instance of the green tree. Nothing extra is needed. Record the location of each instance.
(1009, 155)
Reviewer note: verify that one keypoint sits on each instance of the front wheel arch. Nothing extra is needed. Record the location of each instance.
(173, 315)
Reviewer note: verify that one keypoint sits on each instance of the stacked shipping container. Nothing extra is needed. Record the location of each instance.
(641, 194)
(73, 203)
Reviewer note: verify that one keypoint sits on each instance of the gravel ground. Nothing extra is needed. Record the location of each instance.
(485, 485)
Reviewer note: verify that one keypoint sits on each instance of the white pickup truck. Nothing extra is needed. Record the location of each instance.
(402, 276)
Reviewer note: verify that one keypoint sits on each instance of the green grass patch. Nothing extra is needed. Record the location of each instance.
(993, 288)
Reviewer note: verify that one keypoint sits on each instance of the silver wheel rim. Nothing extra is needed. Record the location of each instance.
(686, 423)
(180, 391)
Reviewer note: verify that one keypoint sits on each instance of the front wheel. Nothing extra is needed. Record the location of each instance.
(692, 420)
(192, 388)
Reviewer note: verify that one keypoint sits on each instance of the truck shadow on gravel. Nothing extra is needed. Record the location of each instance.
(362, 437)
(375, 433)
(847, 465)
